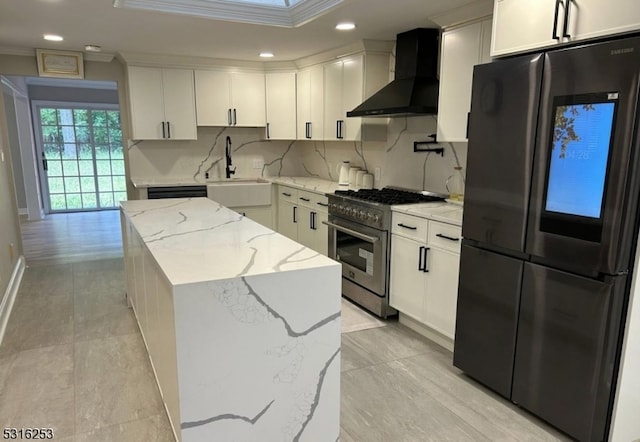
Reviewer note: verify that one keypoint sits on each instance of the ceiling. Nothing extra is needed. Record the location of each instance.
(120, 30)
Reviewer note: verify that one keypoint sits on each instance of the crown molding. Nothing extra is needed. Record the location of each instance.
(368, 46)
(236, 11)
(102, 57)
(474, 11)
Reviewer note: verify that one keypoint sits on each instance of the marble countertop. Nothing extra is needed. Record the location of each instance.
(317, 185)
(196, 240)
(445, 212)
(311, 184)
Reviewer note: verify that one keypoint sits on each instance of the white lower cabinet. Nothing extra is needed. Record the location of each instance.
(424, 273)
(300, 216)
(260, 214)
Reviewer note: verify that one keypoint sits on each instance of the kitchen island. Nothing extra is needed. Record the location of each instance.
(242, 325)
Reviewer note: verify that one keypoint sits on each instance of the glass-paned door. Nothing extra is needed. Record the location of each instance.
(83, 159)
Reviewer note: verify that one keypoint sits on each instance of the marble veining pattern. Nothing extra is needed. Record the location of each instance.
(445, 212)
(196, 240)
(296, 352)
(256, 319)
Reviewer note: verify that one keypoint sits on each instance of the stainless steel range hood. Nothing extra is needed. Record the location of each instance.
(415, 88)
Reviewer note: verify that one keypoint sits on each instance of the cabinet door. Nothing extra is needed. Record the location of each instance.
(147, 104)
(213, 92)
(407, 284)
(321, 235)
(595, 18)
(179, 104)
(260, 214)
(460, 53)
(281, 105)
(485, 42)
(442, 291)
(248, 99)
(288, 219)
(317, 103)
(306, 234)
(352, 96)
(332, 99)
(303, 103)
(520, 25)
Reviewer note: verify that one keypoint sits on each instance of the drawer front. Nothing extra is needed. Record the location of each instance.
(317, 202)
(288, 194)
(445, 236)
(409, 226)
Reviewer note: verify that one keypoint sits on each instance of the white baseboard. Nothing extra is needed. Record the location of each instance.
(426, 331)
(10, 295)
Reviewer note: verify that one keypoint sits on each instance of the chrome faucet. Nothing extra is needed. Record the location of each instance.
(227, 153)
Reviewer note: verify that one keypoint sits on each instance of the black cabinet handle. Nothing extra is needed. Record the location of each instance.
(168, 129)
(565, 26)
(229, 116)
(312, 220)
(407, 227)
(295, 209)
(268, 134)
(440, 235)
(554, 33)
(323, 204)
(340, 134)
(305, 199)
(235, 117)
(308, 130)
(426, 251)
(164, 134)
(286, 194)
(421, 259)
(338, 129)
(468, 121)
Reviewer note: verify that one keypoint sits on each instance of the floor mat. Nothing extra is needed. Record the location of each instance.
(354, 318)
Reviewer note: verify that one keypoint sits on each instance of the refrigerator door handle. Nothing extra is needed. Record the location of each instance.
(565, 26)
(554, 33)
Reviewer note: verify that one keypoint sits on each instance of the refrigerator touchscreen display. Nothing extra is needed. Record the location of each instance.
(578, 165)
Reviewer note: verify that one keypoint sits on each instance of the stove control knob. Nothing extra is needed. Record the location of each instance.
(376, 218)
(362, 215)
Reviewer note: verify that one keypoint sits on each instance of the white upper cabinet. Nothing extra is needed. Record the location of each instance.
(310, 103)
(462, 48)
(596, 18)
(281, 105)
(162, 103)
(348, 82)
(230, 98)
(523, 25)
(343, 90)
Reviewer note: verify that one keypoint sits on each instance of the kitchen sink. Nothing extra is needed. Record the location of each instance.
(240, 192)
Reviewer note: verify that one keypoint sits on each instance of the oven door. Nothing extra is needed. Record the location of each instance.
(361, 250)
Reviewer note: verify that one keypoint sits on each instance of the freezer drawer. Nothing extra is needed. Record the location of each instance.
(487, 314)
(566, 349)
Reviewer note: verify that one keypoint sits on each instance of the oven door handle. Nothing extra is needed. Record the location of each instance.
(359, 235)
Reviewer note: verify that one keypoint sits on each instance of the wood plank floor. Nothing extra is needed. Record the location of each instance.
(72, 237)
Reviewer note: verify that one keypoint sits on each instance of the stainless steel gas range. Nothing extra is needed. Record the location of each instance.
(360, 239)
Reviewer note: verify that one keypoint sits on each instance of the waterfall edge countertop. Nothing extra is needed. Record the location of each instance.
(242, 325)
(197, 240)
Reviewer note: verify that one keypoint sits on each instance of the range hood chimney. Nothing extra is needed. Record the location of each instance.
(415, 88)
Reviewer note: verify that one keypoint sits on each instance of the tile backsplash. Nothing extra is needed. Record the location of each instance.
(253, 156)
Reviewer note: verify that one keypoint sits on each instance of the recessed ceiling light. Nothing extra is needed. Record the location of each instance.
(266, 54)
(52, 37)
(345, 26)
(92, 48)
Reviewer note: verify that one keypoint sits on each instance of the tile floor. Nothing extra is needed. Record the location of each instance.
(73, 359)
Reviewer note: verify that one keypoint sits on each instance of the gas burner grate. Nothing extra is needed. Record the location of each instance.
(389, 196)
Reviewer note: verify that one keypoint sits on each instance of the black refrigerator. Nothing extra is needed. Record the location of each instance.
(550, 226)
